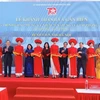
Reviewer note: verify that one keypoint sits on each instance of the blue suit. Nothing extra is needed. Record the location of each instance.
(81, 62)
(7, 60)
(63, 62)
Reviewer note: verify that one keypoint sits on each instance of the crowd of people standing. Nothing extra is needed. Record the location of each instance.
(38, 60)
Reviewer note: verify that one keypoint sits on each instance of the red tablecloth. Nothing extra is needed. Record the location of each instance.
(83, 94)
(3, 94)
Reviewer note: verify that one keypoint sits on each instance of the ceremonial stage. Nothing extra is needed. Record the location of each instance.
(43, 88)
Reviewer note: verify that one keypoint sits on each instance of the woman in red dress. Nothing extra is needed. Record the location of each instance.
(90, 68)
(0, 58)
(37, 59)
(72, 54)
(55, 65)
(18, 52)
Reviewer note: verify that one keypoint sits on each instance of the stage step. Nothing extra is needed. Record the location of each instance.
(43, 97)
(45, 91)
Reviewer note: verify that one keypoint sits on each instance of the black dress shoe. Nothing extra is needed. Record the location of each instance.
(44, 76)
(5, 75)
(9, 75)
(60, 76)
(65, 76)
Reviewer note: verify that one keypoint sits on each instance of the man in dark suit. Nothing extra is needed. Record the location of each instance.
(63, 59)
(7, 51)
(81, 62)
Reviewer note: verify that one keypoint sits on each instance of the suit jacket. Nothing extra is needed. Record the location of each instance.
(65, 52)
(83, 54)
(8, 54)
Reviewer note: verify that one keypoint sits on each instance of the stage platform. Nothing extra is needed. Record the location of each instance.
(41, 85)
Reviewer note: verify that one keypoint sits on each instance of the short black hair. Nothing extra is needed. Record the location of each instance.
(65, 42)
(7, 41)
(81, 43)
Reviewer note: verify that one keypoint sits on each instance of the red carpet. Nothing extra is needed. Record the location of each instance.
(44, 87)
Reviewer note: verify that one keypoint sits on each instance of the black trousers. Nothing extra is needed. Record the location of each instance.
(63, 65)
(7, 64)
(5, 70)
(46, 63)
(81, 64)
